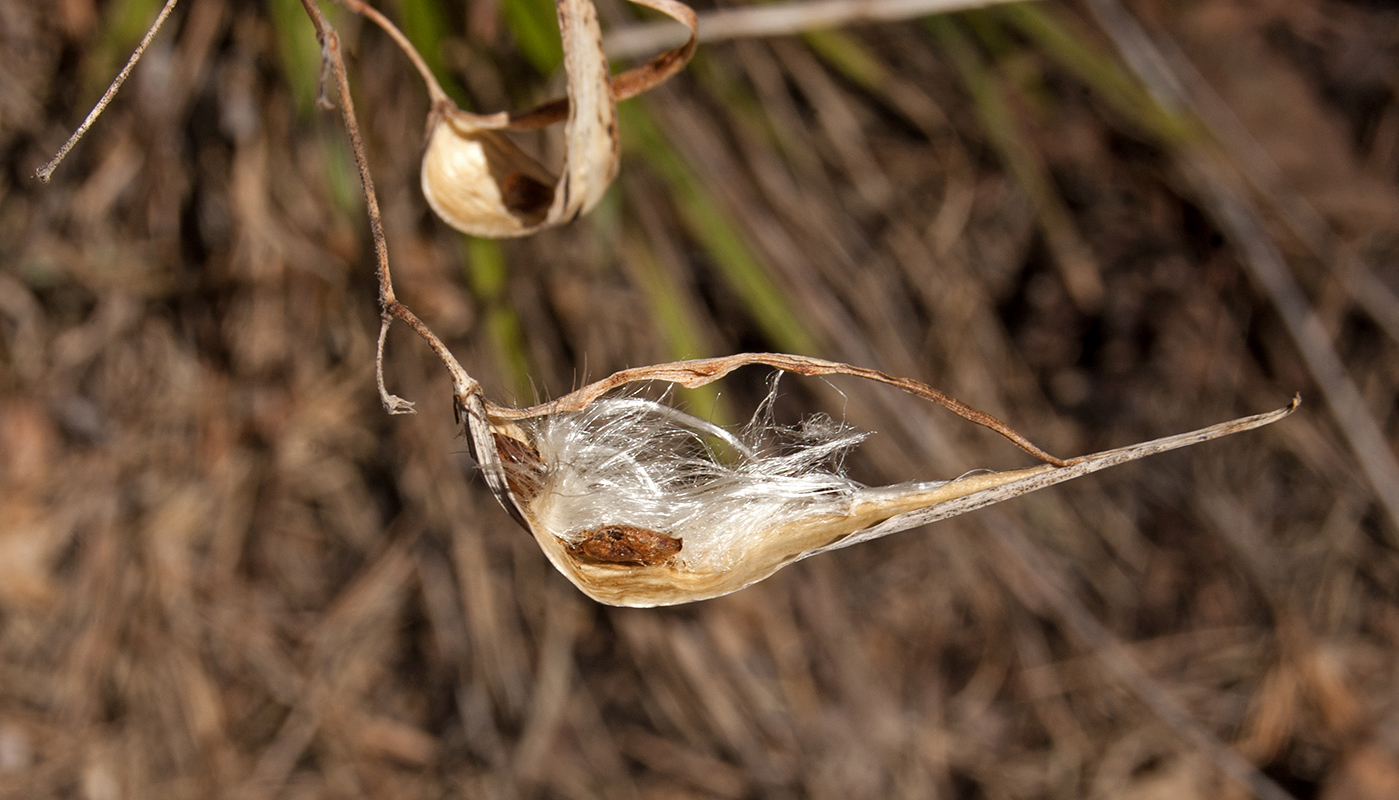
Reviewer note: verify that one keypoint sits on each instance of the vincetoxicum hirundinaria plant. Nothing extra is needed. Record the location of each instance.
(638, 503)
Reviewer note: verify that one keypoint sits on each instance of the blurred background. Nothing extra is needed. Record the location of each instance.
(225, 572)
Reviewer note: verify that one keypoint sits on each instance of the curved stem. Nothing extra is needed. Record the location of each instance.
(434, 89)
(463, 385)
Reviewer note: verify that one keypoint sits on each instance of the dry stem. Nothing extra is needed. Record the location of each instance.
(46, 171)
(463, 384)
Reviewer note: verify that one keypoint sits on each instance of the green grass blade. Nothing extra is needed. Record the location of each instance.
(1053, 34)
(677, 323)
(1075, 261)
(535, 25)
(425, 24)
(712, 226)
(487, 275)
(299, 51)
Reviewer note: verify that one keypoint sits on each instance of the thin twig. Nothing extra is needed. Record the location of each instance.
(463, 385)
(777, 19)
(434, 89)
(46, 171)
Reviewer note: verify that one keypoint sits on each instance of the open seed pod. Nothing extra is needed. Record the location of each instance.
(482, 183)
(639, 504)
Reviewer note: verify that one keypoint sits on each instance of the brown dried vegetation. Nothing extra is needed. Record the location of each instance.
(225, 572)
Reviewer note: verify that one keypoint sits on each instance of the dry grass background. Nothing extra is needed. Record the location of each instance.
(225, 572)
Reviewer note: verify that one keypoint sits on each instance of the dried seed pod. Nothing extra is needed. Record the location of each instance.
(480, 182)
(633, 501)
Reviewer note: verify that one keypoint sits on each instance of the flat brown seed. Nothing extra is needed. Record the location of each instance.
(626, 544)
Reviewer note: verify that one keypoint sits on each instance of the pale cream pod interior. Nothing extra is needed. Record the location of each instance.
(483, 184)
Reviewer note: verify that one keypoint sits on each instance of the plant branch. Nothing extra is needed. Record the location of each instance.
(434, 89)
(463, 385)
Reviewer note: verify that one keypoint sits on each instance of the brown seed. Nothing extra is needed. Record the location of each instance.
(626, 544)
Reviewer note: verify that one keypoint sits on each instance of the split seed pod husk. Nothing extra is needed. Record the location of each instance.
(628, 501)
(482, 183)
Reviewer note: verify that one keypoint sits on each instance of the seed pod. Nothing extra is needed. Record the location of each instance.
(633, 502)
(480, 182)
